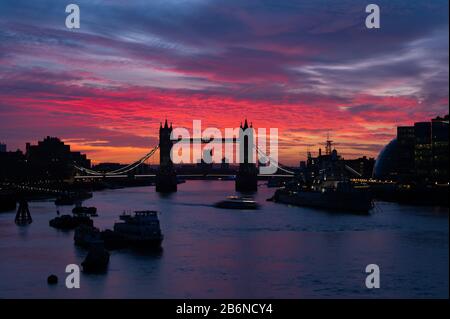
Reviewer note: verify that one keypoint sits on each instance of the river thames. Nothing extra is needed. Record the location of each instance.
(278, 251)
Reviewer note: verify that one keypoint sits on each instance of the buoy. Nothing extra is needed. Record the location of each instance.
(52, 280)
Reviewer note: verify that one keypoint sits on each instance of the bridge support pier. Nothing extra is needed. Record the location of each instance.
(23, 216)
(166, 182)
(247, 182)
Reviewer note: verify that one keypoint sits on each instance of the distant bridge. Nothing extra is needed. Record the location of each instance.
(179, 175)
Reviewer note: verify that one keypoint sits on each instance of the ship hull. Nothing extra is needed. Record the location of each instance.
(335, 201)
(96, 261)
(131, 241)
(130, 236)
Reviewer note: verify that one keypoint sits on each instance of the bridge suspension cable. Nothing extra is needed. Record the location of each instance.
(272, 161)
(353, 171)
(122, 170)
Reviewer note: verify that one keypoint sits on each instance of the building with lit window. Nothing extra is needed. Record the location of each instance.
(52, 159)
(420, 153)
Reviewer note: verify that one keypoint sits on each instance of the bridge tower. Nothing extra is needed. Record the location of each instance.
(247, 176)
(166, 178)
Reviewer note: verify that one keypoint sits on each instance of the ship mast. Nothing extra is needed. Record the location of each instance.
(328, 145)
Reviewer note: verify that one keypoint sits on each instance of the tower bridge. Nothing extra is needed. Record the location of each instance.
(166, 176)
(166, 179)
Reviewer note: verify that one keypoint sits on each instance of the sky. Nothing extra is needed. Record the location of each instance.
(308, 68)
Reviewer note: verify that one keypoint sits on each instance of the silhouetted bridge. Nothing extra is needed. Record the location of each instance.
(166, 177)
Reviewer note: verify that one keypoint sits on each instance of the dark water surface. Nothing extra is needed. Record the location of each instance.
(276, 252)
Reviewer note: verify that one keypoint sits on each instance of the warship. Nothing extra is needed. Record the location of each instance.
(325, 183)
(333, 195)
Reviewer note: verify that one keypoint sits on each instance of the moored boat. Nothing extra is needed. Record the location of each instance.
(80, 210)
(325, 182)
(338, 195)
(86, 236)
(70, 222)
(141, 229)
(112, 240)
(97, 259)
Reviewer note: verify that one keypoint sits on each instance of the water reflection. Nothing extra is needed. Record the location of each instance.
(278, 251)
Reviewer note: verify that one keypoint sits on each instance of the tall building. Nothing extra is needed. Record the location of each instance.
(420, 153)
(440, 149)
(423, 156)
(13, 166)
(2, 148)
(405, 142)
(52, 159)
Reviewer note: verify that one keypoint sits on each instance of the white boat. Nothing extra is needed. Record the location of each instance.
(237, 202)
